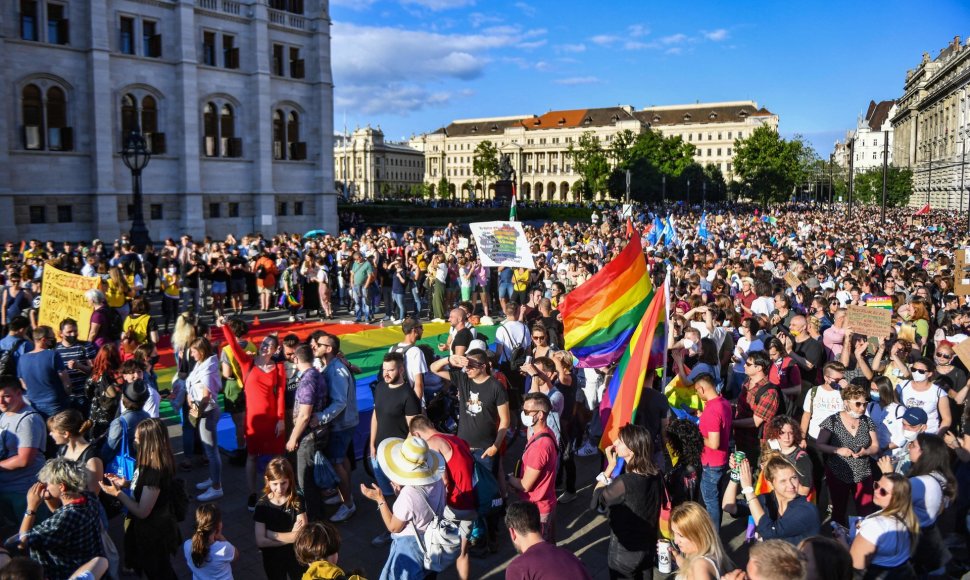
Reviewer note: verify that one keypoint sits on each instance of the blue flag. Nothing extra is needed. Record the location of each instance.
(655, 232)
(702, 232)
(672, 230)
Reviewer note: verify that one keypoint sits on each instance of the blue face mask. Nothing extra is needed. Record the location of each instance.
(874, 396)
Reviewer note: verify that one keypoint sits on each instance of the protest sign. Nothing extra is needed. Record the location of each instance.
(462, 243)
(869, 321)
(884, 302)
(792, 280)
(962, 350)
(502, 244)
(63, 297)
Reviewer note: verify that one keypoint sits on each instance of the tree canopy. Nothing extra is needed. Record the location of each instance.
(769, 166)
(867, 187)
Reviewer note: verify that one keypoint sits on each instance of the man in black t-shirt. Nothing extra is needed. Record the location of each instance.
(807, 352)
(462, 335)
(238, 266)
(395, 404)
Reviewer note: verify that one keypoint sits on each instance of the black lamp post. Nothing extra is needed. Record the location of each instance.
(136, 156)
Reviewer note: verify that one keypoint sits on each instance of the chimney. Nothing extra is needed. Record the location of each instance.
(956, 41)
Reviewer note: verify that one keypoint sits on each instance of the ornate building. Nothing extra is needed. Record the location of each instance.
(538, 144)
(368, 167)
(235, 99)
(932, 124)
(872, 135)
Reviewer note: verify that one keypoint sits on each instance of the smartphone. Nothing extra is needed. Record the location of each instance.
(528, 360)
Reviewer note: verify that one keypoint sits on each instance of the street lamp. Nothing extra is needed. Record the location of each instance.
(136, 156)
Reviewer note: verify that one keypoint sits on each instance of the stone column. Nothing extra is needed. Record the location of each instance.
(187, 136)
(8, 227)
(260, 124)
(103, 141)
(322, 79)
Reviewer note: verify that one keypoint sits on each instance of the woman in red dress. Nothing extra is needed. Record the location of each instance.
(264, 385)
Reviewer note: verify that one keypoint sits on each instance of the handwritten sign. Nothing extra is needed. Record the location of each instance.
(869, 321)
(63, 297)
(502, 244)
(792, 280)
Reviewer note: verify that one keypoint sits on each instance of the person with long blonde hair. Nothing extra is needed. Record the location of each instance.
(697, 546)
(280, 515)
(208, 554)
(117, 291)
(185, 333)
(885, 541)
(67, 429)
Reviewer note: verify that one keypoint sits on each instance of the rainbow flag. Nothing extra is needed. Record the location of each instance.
(644, 353)
(884, 302)
(600, 316)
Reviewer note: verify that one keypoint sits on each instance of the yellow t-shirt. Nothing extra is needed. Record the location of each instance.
(115, 295)
(520, 280)
(170, 283)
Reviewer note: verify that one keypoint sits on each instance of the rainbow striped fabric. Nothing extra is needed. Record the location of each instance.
(599, 316)
(644, 353)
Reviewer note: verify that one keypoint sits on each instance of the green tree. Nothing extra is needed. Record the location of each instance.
(469, 186)
(769, 165)
(650, 157)
(485, 163)
(590, 161)
(899, 186)
(444, 192)
(716, 186)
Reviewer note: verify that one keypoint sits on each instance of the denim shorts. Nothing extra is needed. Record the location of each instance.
(218, 287)
(382, 481)
(337, 446)
(505, 290)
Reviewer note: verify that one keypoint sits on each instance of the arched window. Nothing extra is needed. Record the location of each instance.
(211, 128)
(230, 146)
(129, 116)
(142, 117)
(33, 111)
(58, 133)
(293, 136)
(149, 116)
(278, 135)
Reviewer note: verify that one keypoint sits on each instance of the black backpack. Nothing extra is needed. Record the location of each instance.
(517, 357)
(114, 325)
(261, 272)
(8, 362)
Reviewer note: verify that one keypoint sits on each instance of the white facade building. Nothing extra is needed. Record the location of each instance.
(235, 99)
(872, 137)
(368, 167)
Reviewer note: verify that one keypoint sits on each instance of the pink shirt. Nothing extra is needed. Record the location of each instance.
(716, 416)
(541, 454)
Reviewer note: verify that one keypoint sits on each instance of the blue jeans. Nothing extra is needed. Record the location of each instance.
(382, 480)
(416, 293)
(188, 433)
(405, 561)
(361, 303)
(399, 302)
(711, 492)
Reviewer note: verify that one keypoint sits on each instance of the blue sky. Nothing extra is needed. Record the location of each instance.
(412, 66)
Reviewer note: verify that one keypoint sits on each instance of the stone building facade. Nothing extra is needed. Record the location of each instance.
(932, 125)
(234, 97)
(873, 134)
(538, 144)
(368, 167)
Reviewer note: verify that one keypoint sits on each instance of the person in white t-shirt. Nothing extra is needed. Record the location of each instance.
(920, 391)
(208, 554)
(511, 334)
(824, 400)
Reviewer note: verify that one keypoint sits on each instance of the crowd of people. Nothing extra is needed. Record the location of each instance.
(844, 452)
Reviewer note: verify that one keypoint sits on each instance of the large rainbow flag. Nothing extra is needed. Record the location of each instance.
(599, 316)
(644, 353)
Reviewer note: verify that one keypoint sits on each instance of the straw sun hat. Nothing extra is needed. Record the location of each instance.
(410, 461)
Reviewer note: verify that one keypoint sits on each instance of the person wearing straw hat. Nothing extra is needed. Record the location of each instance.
(416, 473)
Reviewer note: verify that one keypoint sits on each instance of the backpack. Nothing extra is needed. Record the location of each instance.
(441, 542)
(179, 503)
(516, 358)
(8, 360)
(784, 405)
(488, 496)
(426, 351)
(261, 272)
(113, 325)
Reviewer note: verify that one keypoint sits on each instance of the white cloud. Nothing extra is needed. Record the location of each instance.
(571, 48)
(716, 35)
(674, 50)
(637, 30)
(542, 65)
(637, 45)
(603, 39)
(527, 9)
(397, 98)
(437, 5)
(674, 38)
(532, 45)
(589, 80)
(478, 19)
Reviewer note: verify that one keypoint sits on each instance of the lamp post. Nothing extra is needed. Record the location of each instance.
(663, 189)
(136, 156)
(885, 168)
(848, 211)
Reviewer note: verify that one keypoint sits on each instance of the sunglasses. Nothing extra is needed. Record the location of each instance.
(880, 490)
(857, 404)
(916, 370)
(538, 336)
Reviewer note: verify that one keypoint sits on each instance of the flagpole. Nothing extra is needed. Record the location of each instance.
(666, 291)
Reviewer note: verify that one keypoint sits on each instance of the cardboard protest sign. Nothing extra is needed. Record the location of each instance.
(502, 244)
(962, 350)
(792, 280)
(869, 321)
(63, 297)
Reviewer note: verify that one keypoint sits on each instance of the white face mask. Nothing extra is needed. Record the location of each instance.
(527, 420)
(854, 414)
(919, 376)
(910, 436)
(688, 344)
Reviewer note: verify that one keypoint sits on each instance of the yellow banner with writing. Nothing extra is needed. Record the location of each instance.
(63, 297)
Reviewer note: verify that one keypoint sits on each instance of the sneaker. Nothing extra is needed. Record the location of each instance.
(343, 513)
(381, 540)
(293, 319)
(333, 500)
(587, 450)
(204, 485)
(211, 494)
(567, 497)
(251, 502)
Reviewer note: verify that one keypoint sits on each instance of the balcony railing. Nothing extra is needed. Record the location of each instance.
(228, 6)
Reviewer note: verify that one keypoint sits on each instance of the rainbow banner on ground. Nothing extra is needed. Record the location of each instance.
(644, 353)
(600, 316)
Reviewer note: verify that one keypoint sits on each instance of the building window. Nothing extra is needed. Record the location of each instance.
(230, 53)
(296, 64)
(151, 40)
(28, 20)
(227, 132)
(58, 133)
(294, 6)
(718, 151)
(38, 214)
(286, 136)
(209, 48)
(281, 208)
(278, 60)
(215, 210)
(155, 211)
(729, 151)
(143, 120)
(58, 31)
(126, 38)
(279, 130)
(33, 113)
(45, 119)
(293, 136)
(729, 167)
(211, 129)
(233, 209)
(297, 208)
(65, 214)
(729, 135)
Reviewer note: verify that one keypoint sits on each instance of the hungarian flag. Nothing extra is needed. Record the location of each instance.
(512, 207)
(924, 211)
